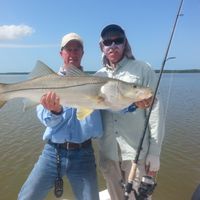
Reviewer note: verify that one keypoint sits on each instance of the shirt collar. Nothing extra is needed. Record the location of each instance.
(118, 65)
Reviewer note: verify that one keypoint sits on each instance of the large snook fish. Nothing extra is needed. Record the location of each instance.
(82, 91)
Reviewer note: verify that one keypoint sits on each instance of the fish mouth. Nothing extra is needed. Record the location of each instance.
(143, 95)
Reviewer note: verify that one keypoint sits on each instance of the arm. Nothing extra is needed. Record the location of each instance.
(156, 123)
(157, 130)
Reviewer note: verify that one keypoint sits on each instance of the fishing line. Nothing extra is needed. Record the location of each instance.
(132, 174)
(169, 92)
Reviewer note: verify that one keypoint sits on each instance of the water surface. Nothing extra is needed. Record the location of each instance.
(21, 141)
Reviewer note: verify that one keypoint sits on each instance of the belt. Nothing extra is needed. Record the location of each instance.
(71, 145)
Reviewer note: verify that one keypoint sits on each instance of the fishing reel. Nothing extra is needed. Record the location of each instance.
(146, 188)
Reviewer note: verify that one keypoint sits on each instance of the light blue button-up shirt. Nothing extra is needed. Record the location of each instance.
(66, 126)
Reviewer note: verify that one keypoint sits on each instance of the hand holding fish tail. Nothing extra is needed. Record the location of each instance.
(146, 103)
(51, 102)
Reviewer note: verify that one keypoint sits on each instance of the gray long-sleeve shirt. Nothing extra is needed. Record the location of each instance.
(122, 132)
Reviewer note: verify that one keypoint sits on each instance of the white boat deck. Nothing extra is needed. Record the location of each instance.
(104, 195)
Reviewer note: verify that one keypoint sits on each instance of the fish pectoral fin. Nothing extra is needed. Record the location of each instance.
(2, 103)
(82, 113)
(28, 104)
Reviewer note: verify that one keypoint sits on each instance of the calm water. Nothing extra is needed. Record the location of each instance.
(21, 141)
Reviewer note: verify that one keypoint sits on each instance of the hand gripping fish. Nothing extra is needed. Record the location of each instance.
(83, 91)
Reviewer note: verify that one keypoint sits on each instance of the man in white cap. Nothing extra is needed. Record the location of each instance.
(71, 50)
(68, 150)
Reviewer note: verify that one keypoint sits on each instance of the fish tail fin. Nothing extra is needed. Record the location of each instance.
(2, 101)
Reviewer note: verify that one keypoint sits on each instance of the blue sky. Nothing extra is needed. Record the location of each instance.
(32, 30)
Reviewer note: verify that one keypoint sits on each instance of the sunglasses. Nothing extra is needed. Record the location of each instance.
(117, 41)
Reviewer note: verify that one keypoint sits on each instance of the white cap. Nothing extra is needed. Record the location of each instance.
(69, 37)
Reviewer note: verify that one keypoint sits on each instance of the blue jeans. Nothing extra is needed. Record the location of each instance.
(77, 164)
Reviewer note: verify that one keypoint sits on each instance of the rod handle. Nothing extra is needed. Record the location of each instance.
(132, 173)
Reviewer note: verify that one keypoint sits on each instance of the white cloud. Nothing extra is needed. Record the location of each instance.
(13, 32)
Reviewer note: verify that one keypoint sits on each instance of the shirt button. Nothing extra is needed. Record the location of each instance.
(116, 132)
(115, 120)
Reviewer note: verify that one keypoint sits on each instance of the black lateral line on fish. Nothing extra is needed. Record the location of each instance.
(59, 88)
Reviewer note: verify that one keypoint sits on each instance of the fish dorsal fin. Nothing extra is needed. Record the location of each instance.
(40, 69)
(74, 71)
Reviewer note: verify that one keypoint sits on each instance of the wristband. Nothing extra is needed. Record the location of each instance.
(57, 113)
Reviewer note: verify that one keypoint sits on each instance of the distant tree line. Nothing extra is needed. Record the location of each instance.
(92, 72)
(180, 71)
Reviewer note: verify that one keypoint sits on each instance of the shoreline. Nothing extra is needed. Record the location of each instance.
(91, 72)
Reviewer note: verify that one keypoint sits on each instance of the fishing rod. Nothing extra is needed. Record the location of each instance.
(148, 183)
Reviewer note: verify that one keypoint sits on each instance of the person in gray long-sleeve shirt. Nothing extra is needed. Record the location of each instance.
(122, 131)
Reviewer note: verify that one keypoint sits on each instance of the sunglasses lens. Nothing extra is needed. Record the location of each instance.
(117, 41)
(107, 42)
